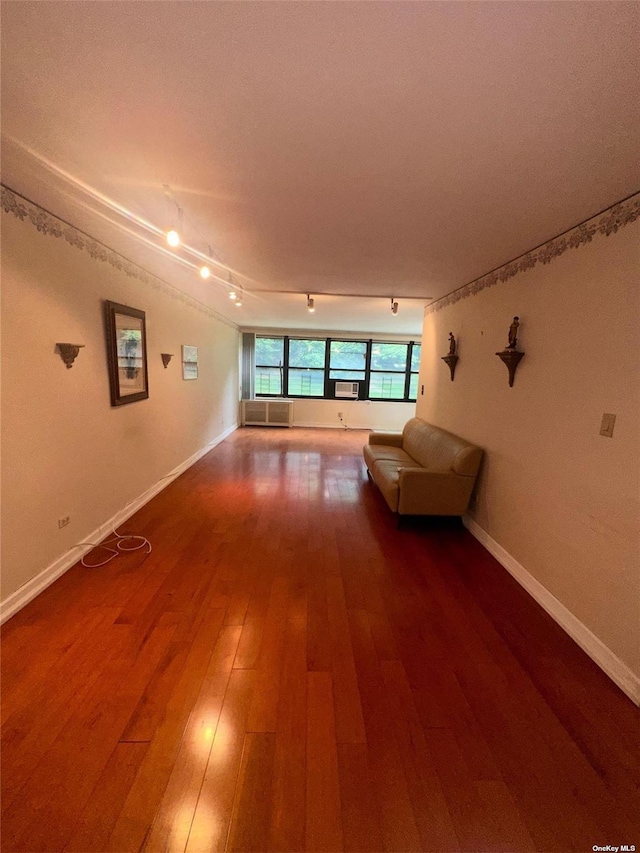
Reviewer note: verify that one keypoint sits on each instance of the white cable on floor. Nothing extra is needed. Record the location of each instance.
(120, 538)
(120, 547)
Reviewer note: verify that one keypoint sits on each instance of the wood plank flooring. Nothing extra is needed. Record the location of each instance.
(287, 671)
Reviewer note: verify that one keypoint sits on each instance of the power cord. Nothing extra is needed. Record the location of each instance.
(343, 419)
(121, 538)
(120, 547)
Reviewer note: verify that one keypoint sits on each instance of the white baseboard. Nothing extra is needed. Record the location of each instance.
(617, 671)
(45, 578)
(334, 425)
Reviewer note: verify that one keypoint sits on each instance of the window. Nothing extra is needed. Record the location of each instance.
(413, 374)
(306, 368)
(388, 371)
(269, 366)
(310, 367)
(348, 360)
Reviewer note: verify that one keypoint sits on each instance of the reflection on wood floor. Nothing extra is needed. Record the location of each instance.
(287, 671)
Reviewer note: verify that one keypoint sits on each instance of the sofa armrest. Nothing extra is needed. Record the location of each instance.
(391, 439)
(423, 492)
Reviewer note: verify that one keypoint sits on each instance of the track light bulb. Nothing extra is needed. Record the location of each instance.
(205, 272)
(394, 307)
(233, 295)
(310, 304)
(238, 302)
(173, 238)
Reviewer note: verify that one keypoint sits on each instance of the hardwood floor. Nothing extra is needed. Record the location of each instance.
(287, 671)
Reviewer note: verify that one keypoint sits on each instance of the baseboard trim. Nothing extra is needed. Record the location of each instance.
(28, 591)
(617, 671)
(334, 425)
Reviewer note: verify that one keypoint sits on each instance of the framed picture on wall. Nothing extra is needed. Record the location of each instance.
(126, 353)
(189, 362)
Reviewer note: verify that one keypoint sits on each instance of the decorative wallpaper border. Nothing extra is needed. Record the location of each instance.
(603, 224)
(47, 223)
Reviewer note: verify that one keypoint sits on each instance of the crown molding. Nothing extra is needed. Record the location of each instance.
(46, 223)
(603, 224)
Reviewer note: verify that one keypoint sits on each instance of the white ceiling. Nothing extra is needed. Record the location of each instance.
(378, 149)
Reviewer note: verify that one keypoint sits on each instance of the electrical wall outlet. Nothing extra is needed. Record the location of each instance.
(606, 427)
(62, 522)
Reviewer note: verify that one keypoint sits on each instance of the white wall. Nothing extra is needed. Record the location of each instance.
(65, 450)
(357, 414)
(559, 498)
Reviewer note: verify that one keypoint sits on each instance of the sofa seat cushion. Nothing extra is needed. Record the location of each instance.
(386, 474)
(377, 452)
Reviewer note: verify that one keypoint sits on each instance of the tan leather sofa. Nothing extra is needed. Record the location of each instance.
(424, 470)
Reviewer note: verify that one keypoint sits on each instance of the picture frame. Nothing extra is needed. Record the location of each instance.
(189, 362)
(126, 336)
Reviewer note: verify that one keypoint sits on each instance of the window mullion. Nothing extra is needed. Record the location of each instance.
(327, 367)
(407, 375)
(285, 367)
(367, 369)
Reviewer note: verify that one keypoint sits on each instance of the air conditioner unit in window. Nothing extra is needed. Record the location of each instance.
(347, 389)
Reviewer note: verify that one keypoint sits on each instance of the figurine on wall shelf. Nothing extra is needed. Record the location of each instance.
(513, 333)
(510, 356)
(451, 359)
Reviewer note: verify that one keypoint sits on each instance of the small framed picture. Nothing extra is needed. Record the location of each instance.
(189, 362)
(126, 353)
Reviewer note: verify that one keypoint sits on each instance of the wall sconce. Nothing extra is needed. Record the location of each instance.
(166, 358)
(69, 352)
(510, 356)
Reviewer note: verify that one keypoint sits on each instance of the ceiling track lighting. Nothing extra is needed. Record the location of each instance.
(205, 271)
(208, 263)
(173, 235)
(394, 307)
(310, 304)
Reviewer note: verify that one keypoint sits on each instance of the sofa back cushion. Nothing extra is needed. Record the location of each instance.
(439, 450)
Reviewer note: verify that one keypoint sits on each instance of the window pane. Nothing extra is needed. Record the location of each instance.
(306, 383)
(415, 358)
(352, 375)
(307, 353)
(389, 357)
(270, 351)
(413, 387)
(268, 380)
(387, 386)
(348, 355)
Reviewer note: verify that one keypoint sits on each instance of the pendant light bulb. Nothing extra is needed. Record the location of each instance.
(173, 238)
(394, 307)
(205, 272)
(310, 304)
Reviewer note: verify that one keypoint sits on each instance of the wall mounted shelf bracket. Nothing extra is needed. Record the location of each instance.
(166, 358)
(69, 352)
(451, 361)
(511, 358)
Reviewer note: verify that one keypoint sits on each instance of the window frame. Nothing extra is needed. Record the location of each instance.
(256, 366)
(289, 366)
(328, 382)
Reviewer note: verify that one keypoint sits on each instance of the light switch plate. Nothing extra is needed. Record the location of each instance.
(606, 427)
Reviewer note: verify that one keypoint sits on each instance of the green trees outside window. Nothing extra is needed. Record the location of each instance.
(309, 367)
